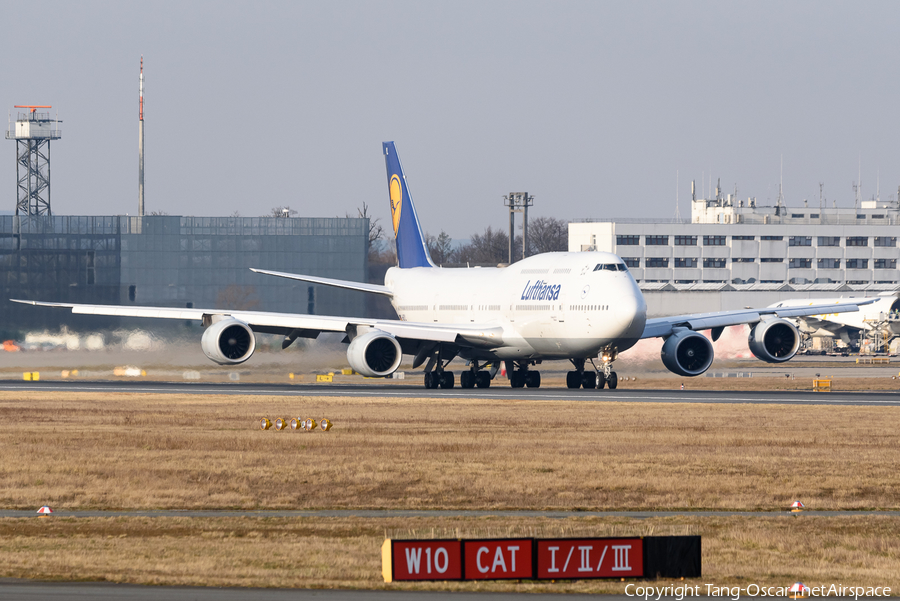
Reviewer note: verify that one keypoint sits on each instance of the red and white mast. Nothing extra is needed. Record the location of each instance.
(141, 146)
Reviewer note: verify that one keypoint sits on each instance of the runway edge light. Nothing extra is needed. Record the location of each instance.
(264, 424)
(325, 424)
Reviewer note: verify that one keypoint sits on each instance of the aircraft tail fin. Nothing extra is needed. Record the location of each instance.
(411, 248)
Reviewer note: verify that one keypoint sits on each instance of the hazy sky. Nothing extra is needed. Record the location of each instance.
(591, 107)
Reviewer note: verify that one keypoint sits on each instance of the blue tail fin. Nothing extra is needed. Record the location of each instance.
(411, 248)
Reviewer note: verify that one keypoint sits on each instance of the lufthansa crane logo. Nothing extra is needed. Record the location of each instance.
(396, 201)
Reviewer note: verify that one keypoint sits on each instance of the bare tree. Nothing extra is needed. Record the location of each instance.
(376, 232)
(281, 212)
(547, 234)
(440, 248)
(488, 248)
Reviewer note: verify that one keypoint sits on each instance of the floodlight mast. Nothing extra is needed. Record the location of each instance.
(32, 133)
(518, 202)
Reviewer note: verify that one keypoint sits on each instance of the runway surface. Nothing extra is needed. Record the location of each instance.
(392, 390)
(51, 591)
(47, 591)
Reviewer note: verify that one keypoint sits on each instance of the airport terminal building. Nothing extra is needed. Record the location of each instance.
(731, 253)
(174, 261)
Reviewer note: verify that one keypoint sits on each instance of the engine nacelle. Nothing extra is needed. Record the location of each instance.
(228, 341)
(774, 340)
(687, 353)
(374, 354)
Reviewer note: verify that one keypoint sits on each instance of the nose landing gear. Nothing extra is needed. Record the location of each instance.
(600, 377)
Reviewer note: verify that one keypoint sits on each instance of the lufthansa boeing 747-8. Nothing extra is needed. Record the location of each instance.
(584, 307)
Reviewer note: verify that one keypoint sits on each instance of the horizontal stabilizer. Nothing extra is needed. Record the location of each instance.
(362, 287)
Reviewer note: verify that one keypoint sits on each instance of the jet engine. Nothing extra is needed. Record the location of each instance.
(774, 340)
(228, 341)
(374, 354)
(687, 353)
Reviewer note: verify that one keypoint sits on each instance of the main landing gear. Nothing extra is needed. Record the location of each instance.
(520, 376)
(600, 377)
(475, 376)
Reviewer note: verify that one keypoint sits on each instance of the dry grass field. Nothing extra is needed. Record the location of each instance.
(345, 553)
(143, 451)
(80, 450)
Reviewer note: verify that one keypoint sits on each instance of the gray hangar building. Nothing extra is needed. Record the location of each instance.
(173, 261)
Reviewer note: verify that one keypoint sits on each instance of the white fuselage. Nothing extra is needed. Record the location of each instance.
(550, 306)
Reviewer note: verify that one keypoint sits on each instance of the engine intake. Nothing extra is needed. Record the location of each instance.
(687, 353)
(774, 340)
(228, 341)
(374, 354)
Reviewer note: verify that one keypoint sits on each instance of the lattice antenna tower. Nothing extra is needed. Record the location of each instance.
(32, 132)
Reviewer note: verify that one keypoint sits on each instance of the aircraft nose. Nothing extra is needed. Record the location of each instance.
(631, 313)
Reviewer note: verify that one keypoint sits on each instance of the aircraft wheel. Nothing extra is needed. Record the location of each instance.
(467, 379)
(589, 380)
(517, 379)
(612, 381)
(431, 380)
(447, 379)
(601, 381)
(573, 379)
(533, 379)
(483, 379)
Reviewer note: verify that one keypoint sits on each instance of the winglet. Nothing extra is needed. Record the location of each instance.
(411, 248)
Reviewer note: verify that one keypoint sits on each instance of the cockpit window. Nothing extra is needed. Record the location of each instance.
(610, 267)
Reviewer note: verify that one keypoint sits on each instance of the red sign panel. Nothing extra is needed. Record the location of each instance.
(427, 560)
(498, 558)
(589, 558)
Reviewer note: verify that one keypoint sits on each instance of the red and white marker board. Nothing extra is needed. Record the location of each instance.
(498, 559)
(589, 558)
(421, 560)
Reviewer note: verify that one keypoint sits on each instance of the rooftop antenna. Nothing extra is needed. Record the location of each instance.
(821, 195)
(780, 202)
(677, 211)
(858, 187)
(141, 144)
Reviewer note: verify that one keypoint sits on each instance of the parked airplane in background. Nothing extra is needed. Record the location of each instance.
(584, 307)
(881, 316)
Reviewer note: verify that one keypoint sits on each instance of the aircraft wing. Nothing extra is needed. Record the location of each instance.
(306, 326)
(663, 326)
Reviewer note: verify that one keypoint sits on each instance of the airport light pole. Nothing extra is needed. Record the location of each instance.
(518, 202)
